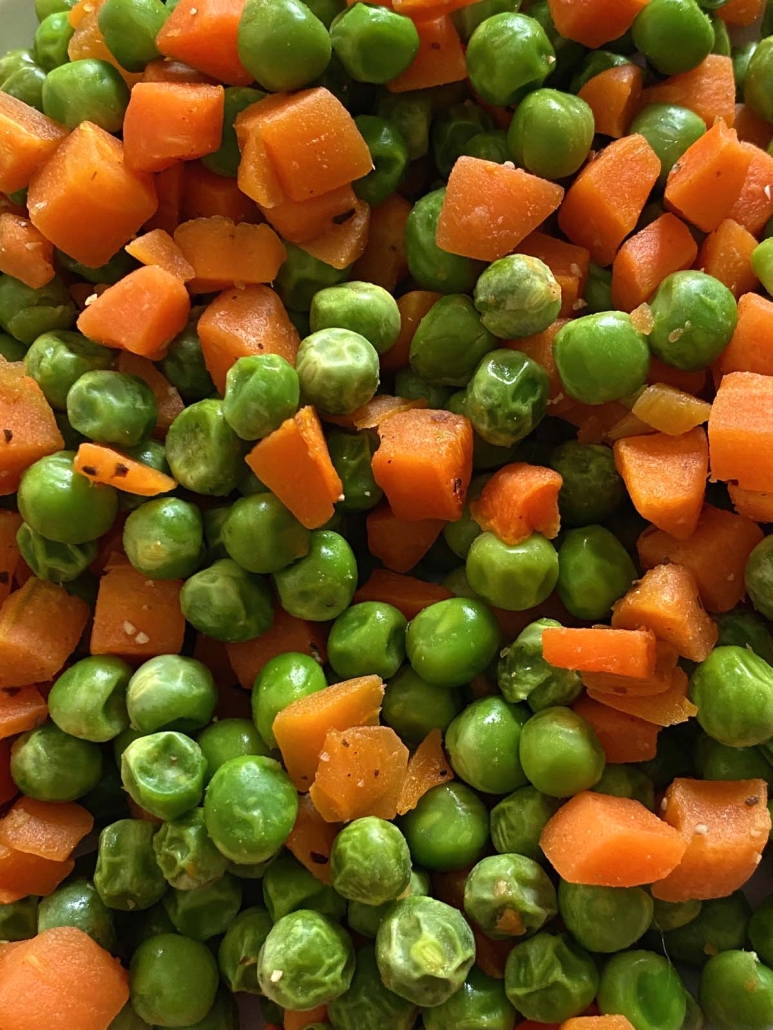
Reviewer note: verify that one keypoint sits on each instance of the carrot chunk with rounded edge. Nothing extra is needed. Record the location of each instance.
(706, 181)
(21, 710)
(716, 554)
(301, 728)
(603, 204)
(659, 682)
(439, 60)
(242, 322)
(741, 431)
(27, 140)
(424, 464)
(40, 626)
(169, 187)
(63, 979)
(88, 43)
(300, 1020)
(383, 261)
(708, 90)
(751, 128)
(427, 768)
(30, 429)
(142, 313)
(597, 1023)
(168, 399)
(302, 220)
(623, 737)
(666, 601)
(614, 96)
(25, 253)
(102, 464)
(726, 254)
(286, 634)
(205, 194)
(361, 772)
(751, 346)
(754, 205)
(668, 708)
(10, 556)
(666, 477)
(223, 254)
(167, 122)
(85, 199)
(8, 789)
(593, 22)
(311, 840)
(341, 245)
(620, 651)
(741, 12)
(670, 410)
(45, 829)
(204, 36)
(606, 841)
(158, 248)
(568, 263)
(135, 617)
(398, 544)
(490, 208)
(378, 409)
(724, 826)
(754, 504)
(256, 176)
(22, 874)
(295, 464)
(406, 593)
(413, 307)
(518, 500)
(643, 262)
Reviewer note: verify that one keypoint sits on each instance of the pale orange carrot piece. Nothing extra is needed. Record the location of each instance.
(361, 772)
(624, 737)
(158, 248)
(311, 840)
(46, 829)
(667, 708)
(427, 768)
(619, 651)
(440, 58)
(751, 346)
(670, 410)
(754, 504)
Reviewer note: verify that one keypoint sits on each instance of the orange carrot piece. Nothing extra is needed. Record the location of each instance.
(311, 840)
(623, 737)
(168, 400)
(295, 464)
(101, 464)
(603, 204)
(86, 201)
(205, 194)
(10, 556)
(257, 177)
(31, 431)
(301, 728)
(302, 220)
(137, 618)
(439, 60)
(240, 322)
(40, 626)
(21, 710)
(619, 651)
(489, 209)
(408, 594)
(88, 43)
(708, 90)
(666, 477)
(740, 433)
(205, 37)
(158, 248)
(568, 263)
(25, 253)
(594, 22)
(668, 708)
(27, 140)
(741, 13)
(427, 768)
(223, 254)
(361, 772)
(659, 682)
(413, 307)
(597, 1023)
(518, 500)
(167, 122)
(381, 407)
(45, 829)
(690, 382)
(22, 874)
(643, 262)
(705, 183)
(424, 464)
(614, 96)
(286, 634)
(341, 245)
(8, 789)
(669, 410)
(754, 504)
(726, 254)
(301, 1020)
(751, 128)
(751, 347)
(716, 554)
(399, 544)
(169, 187)
(383, 261)
(610, 842)
(724, 826)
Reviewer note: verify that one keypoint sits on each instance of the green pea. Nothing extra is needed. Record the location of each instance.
(289, 886)
(171, 692)
(746, 629)
(321, 585)
(592, 489)
(460, 535)
(226, 739)
(52, 38)
(413, 707)
(283, 679)
(214, 520)
(338, 371)
(507, 397)
(671, 915)
(485, 455)
(56, 360)
(742, 55)
(352, 455)
(368, 1004)
(736, 991)
(598, 290)
(758, 79)
(431, 267)
(627, 781)
(517, 296)
(645, 988)
(451, 642)
(314, 956)
(450, 341)
(759, 567)
(509, 896)
(262, 536)
(111, 272)
(261, 392)
(302, 276)
(674, 35)
(77, 903)
(482, 744)
(11, 349)
(722, 43)
(127, 1019)
(186, 855)
(761, 931)
(87, 90)
(144, 924)
(173, 980)
(549, 978)
(374, 44)
(560, 752)
(88, 701)
(715, 761)
(515, 577)
(267, 29)
(488, 146)
(370, 861)
(409, 113)
(448, 829)
(45, 7)
(524, 675)
(23, 78)
(551, 133)
(164, 538)
(112, 407)
(604, 919)
(50, 765)
(481, 1001)
(366, 639)
(452, 129)
(127, 877)
(227, 603)
(594, 571)
(130, 29)
(694, 318)
(362, 308)
(365, 919)
(733, 689)
(720, 925)
(596, 62)
(204, 912)
(388, 151)
(413, 387)
(107, 800)
(524, 57)
(238, 952)
(18, 919)
(204, 453)
(762, 264)
(164, 773)
(26, 313)
(49, 560)
(518, 820)
(185, 369)
(601, 357)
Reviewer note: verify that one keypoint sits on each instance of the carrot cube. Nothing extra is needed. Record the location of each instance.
(135, 617)
(45, 829)
(427, 768)
(726, 254)
(204, 36)
(644, 260)
(593, 22)
(21, 710)
(614, 96)
(518, 500)
(27, 140)
(30, 429)
(708, 90)
(624, 737)
(25, 253)
(705, 183)
(741, 431)
(22, 874)
(311, 840)
(223, 254)
(440, 58)
(398, 544)
(167, 122)
(158, 248)
(622, 652)
(361, 772)
(287, 633)
(754, 204)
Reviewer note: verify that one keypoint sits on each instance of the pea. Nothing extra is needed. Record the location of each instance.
(524, 56)
(315, 956)
(186, 855)
(449, 342)
(226, 739)
(360, 307)
(283, 679)
(524, 675)
(560, 752)
(601, 357)
(627, 781)
(130, 29)
(644, 987)
(164, 538)
(204, 912)
(736, 990)
(56, 360)
(26, 313)
(604, 919)
(227, 603)
(489, 146)
(409, 113)
(111, 272)
(78, 904)
(594, 570)
(49, 560)
(717, 761)
(448, 829)
(758, 78)
(517, 296)
(127, 877)
(302, 276)
(86, 90)
(746, 629)
(238, 952)
(267, 28)
(592, 489)
(431, 267)
(671, 915)
(204, 453)
(509, 896)
(719, 926)
(368, 1004)
(412, 387)
(518, 820)
(368, 638)
(88, 701)
(171, 692)
(11, 349)
(164, 773)
(50, 765)
(45, 7)
(18, 919)
(515, 577)
(694, 317)
(370, 861)
(338, 371)
(352, 455)
(112, 407)
(451, 642)
(452, 129)
(23, 78)
(289, 886)
(598, 291)
(482, 744)
(551, 133)
(320, 585)
(365, 919)
(674, 35)
(507, 397)
(467, 19)
(173, 980)
(261, 392)
(740, 714)
(52, 38)
(550, 978)
(374, 44)
(596, 62)
(185, 369)
(413, 707)
(262, 536)
(214, 520)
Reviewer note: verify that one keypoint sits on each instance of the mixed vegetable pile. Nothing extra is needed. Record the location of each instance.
(411, 368)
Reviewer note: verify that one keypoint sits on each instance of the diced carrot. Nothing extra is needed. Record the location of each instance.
(22, 874)
(88, 43)
(286, 634)
(603, 204)
(659, 682)
(666, 477)
(311, 840)
(666, 601)
(167, 122)
(168, 399)
(398, 544)
(163, 69)
(241, 322)
(361, 772)
(594, 22)
(408, 594)
(86, 201)
(424, 464)
(716, 554)
(341, 245)
(205, 194)
(594, 421)
(424, 10)
(101, 464)
(751, 347)
(21, 709)
(257, 176)
(619, 651)
(741, 12)
(169, 186)
(670, 410)
(540, 349)
(378, 409)
(623, 737)
(295, 464)
(205, 37)
(490, 208)
(754, 205)
(8, 789)
(690, 382)
(301, 728)
(740, 431)
(630, 425)
(413, 307)
(751, 128)
(754, 504)
(30, 429)
(61, 978)
(158, 248)
(643, 262)
(705, 183)
(598, 1023)
(708, 90)
(224, 254)
(301, 1020)
(726, 254)
(137, 618)
(518, 500)
(27, 140)
(214, 655)
(724, 826)
(25, 253)
(383, 261)
(10, 556)
(668, 708)
(44, 828)
(614, 96)
(568, 263)
(610, 842)
(40, 626)
(427, 768)
(302, 220)
(439, 60)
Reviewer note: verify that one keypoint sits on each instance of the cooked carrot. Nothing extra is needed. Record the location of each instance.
(568, 263)
(169, 187)
(10, 556)
(754, 205)
(167, 122)
(751, 347)
(383, 261)
(223, 254)
(21, 709)
(300, 1020)
(302, 220)
(603, 204)
(643, 262)
(413, 307)
(597, 1023)
(440, 58)
(205, 194)
(301, 728)
(623, 737)
(286, 634)
(378, 409)
(40, 626)
(204, 37)
(25, 253)
(708, 90)
(690, 382)
(726, 255)
(716, 554)
(629, 425)
(490, 208)
(86, 201)
(168, 399)
(705, 183)
(740, 431)
(311, 840)
(619, 651)
(427, 768)
(610, 842)
(257, 177)
(724, 826)
(22, 874)
(341, 245)
(595, 22)
(88, 43)
(398, 544)
(614, 96)
(361, 772)
(424, 464)
(241, 322)
(27, 140)
(669, 410)
(668, 708)
(135, 617)
(30, 430)
(751, 128)
(101, 464)
(754, 504)
(8, 789)
(625, 686)
(408, 594)
(158, 248)
(46, 829)
(518, 500)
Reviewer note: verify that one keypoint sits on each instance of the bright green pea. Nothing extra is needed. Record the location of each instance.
(674, 35)
(645, 988)
(289, 886)
(758, 578)
(77, 903)
(314, 956)
(489, 146)
(204, 453)
(89, 699)
(596, 62)
(184, 367)
(52, 37)
(518, 821)
(549, 978)
(368, 1004)
(57, 360)
(451, 642)
(173, 980)
(269, 30)
(321, 585)
(452, 129)
(25, 313)
(388, 151)
(204, 912)
(694, 317)
(719, 926)
(604, 919)
(164, 773)
(186, 855)
(130, 28)
(164, 538)
(367, 639)
(509, 896)
(363, 308)
(370, 861)
(524, 57)
(715, 761)
(261, 392)
(49, 560)
(627, 781)
(551, 133)
(262, 536)
(410, 114)
(227, 603)
(50, 765)
(450, 341)
(512, 576)
(112, 407)
(560, 752)
(602, 357)
(671, 915)
(448, 829)
(302, 276)
(482, 744)
(229, 738)
(374, 44)
(594, 571)
(282, 680)
(86, 91)
(127, 877)
(238, 953)
(762, 264)
(592, 489)
(746, 629)
(18, 919)
(338, 371)
(431, 267)
(517, 296)
(45, 7)
(733, 689)
(759, 75)
(524, 675)
(352, 455)
(413, 707)
(23, 78)
(742, 55)
(225, 160)
(170, 692)
(736, 991)
(507, 397)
